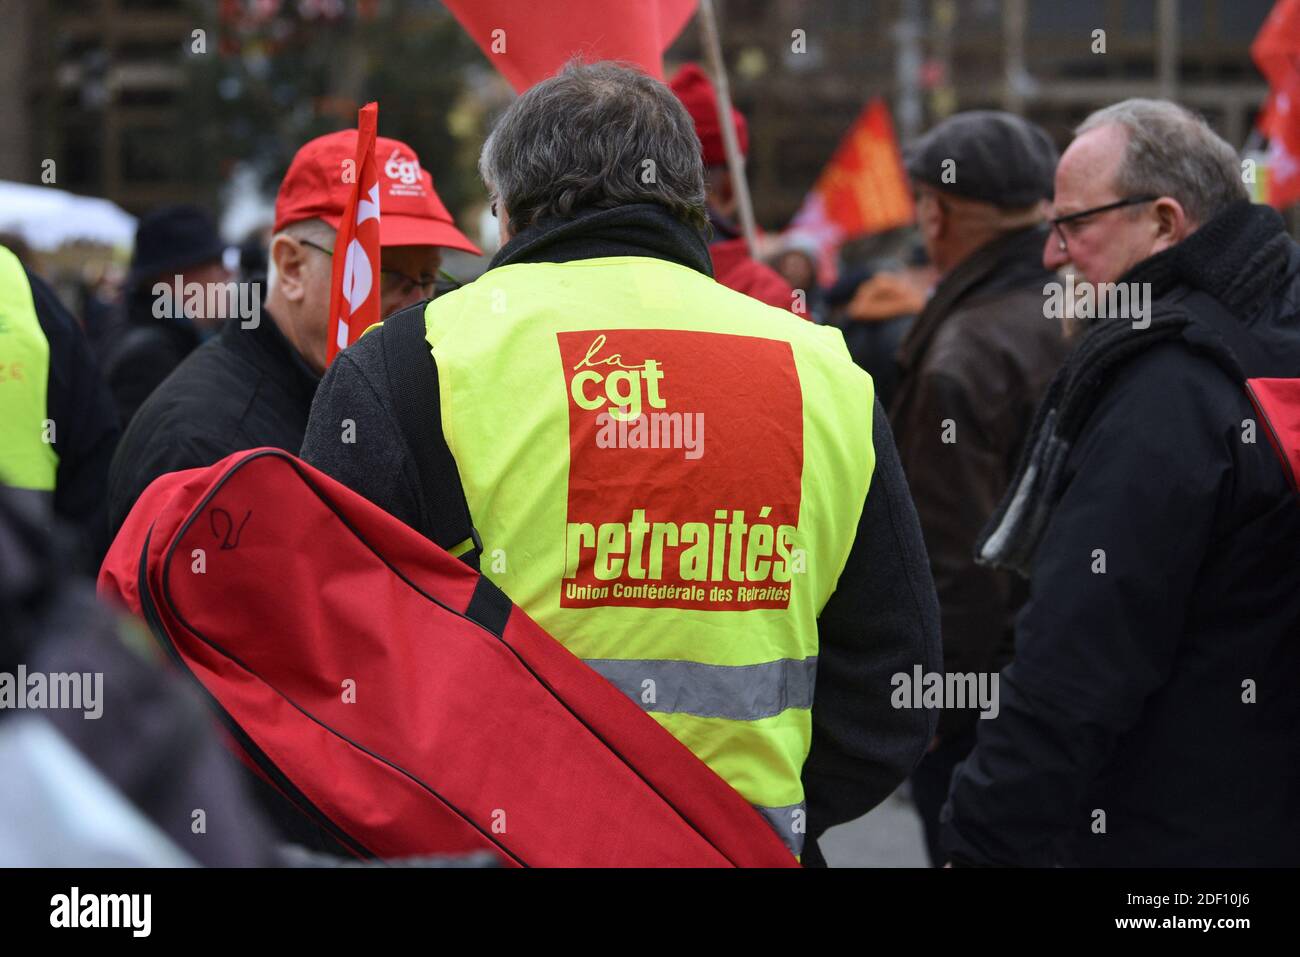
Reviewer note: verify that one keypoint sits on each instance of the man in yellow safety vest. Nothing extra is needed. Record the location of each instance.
(58, 429)
(695, 492)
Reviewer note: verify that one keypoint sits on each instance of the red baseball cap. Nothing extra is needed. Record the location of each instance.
(410, 212)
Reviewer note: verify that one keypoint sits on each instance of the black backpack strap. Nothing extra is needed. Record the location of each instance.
(413, 385)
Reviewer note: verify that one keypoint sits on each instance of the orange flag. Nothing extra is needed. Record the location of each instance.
(354, 288)
(529, 41)
(862, 190)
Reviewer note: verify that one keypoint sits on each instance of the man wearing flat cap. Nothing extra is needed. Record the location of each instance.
(972, 370)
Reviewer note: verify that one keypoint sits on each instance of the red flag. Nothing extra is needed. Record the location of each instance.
(1276, 52)
(862, 190)
(1277, 44)
(354, 288)
(528, 42)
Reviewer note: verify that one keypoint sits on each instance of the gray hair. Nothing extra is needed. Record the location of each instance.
(1172, 151)
(594, 137)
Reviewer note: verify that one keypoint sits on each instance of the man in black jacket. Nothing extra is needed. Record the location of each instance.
(581, 231)
(175, 247)
(1151, 715)
(76, 421)
(252, 384)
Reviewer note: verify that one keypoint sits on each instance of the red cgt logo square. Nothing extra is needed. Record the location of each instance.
(685, 467)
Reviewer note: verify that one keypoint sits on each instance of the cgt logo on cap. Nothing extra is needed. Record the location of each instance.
(405, 171)
(413, 213)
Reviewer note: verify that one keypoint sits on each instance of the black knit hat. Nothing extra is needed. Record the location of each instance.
(986, 155)
(173, 238)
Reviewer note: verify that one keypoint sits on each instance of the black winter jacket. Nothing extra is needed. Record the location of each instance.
(1152, 714)
(143, 352)
(86, 427)
(243, 389)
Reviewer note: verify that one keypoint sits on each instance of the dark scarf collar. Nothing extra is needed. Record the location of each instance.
(641, 229)
(1204, 291)
(1007, 262)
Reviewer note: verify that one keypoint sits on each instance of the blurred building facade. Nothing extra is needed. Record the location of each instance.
(95, 85)
(102, 86)
(933, 57)
(154, 101)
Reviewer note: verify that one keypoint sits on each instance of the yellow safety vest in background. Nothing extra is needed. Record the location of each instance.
(27, 456)
(667, 476)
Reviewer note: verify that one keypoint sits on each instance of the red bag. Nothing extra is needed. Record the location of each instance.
(395, 695)
(1277, 401)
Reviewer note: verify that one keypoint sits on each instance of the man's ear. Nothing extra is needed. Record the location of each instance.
(1171, 223)
(942, 217)
(290, 260)
(932, 216)
(504, 231)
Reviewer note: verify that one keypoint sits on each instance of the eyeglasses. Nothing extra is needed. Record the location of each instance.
(398, 283)
(1073, 220)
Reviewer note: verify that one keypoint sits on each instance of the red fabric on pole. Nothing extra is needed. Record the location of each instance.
(862, 190)
(528, 42)
(1277, 44)
(354, 286)
(1276, 51)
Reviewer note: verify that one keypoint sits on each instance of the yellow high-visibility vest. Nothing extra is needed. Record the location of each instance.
(667, 476)
(27, 456)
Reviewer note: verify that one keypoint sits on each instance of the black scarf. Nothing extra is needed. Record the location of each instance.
(641, 229)
(1206, 286)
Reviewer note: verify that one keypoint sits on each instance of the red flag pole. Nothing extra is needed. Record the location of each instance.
(354, 282)
(731, 145)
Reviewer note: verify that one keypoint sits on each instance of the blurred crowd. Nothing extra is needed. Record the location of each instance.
(1096, 529)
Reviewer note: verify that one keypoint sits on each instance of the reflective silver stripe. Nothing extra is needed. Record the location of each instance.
(736, 692)
(788, 822)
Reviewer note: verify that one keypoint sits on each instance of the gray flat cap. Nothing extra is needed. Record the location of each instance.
(997, 158)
